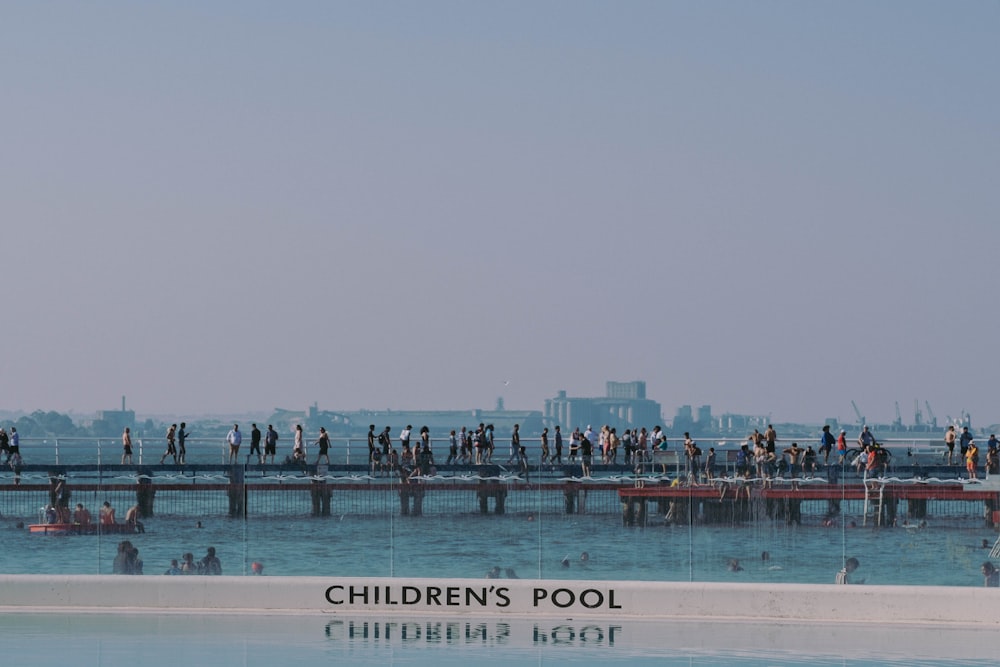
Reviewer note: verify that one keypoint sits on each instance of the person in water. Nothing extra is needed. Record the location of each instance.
(991, 575)
(844, 576)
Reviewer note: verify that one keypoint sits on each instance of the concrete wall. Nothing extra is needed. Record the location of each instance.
(505, 597)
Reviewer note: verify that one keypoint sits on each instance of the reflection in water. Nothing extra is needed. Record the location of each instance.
(107, 640)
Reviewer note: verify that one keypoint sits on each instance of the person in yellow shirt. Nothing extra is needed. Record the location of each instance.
(972, 459)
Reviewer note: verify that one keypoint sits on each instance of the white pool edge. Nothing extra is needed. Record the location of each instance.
(504, 597)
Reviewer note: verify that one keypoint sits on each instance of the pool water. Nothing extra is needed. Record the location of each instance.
(170, 639)
(532, 546)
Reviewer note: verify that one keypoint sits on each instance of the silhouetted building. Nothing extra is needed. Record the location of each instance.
(113, 422)
(625, 406)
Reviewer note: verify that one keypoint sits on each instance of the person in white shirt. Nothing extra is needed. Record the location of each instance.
(234, 438)
(299, 448)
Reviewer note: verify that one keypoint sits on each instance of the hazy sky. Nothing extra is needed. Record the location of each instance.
(771, 207)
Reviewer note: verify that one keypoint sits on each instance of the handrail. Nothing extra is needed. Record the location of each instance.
(75, 449)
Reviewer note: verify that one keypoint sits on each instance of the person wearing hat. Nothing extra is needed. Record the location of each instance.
(971, 458)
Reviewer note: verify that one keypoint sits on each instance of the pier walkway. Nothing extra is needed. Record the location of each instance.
(642, 498)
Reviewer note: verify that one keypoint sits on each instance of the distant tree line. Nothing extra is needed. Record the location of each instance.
(51, 424)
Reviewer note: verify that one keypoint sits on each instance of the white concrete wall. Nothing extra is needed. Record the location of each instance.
(506, 597)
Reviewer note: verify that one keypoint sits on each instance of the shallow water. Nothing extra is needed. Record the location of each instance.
(532, 547)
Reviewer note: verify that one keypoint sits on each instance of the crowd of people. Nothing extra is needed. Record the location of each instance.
(477, 446)
(407, 456)
(127, 561)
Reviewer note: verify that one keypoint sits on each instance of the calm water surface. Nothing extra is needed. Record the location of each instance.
(531, 546)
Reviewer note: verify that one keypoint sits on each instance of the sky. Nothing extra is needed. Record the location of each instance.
(774, 208)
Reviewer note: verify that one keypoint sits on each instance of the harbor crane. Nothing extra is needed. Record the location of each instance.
(918, 416)
(930, 415)
(861, 418)
(898, 423)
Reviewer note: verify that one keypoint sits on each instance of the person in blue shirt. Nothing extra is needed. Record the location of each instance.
(963, 441)
(826, 443)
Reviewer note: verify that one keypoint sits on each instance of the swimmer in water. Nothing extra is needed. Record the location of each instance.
(565, 561)
(734, 565)
(765, 556)
(991, 576)
(584, 557)
(511, 574)
(494, 572)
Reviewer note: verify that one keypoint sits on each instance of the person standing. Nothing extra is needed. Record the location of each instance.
(642, 445)
(385, 441)
(404, 437)
(324, 446)
(826, 442)
(182, 436)
(465, 446)
(770, 438)
(299, 448)
(4, 445)
(234, 438)
(866, 438)
(515, 446)
(452, 448)
(971, 459)
(171, 447)
(586, 455)
(545, 446)
(992, 452)
(255, 443)
(628, 445)
(794, 454)
(15, 444)
(949, 442)
(490, 443)
(270, 443)
(710, 464)
(126, 446)
(371, 443)
(841, 446)
(559, 446)
(479, 444)
(964, 440)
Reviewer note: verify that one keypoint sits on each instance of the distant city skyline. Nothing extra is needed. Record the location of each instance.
(773, 208)
(717, 412)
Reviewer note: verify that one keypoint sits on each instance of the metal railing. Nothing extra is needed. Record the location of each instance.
(215, 450)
